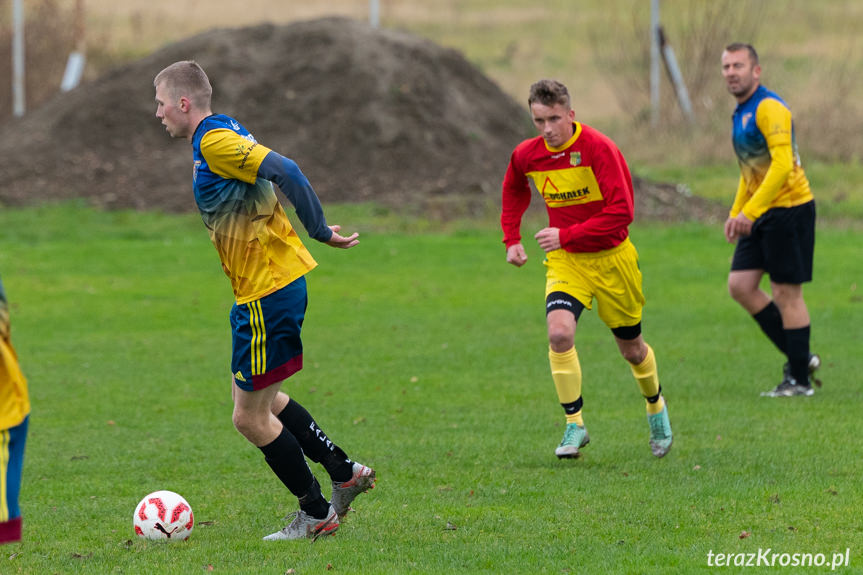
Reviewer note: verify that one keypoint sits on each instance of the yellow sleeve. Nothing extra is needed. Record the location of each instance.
(14, 398)
(739, 198)
(232, 156)
(774, 121)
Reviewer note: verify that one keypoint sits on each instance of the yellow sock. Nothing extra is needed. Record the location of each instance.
(648, 381)
(566, 373)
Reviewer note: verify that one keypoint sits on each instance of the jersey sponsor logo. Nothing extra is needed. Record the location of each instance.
(567, 187)
(563, 196)
(558, 155)
(575, 159)
(552, 193)
(235, 125)
(777, 128)
(243, 151)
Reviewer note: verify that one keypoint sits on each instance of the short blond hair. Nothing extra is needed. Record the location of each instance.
(186, 78)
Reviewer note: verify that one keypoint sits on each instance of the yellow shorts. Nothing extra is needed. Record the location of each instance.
(611, 276)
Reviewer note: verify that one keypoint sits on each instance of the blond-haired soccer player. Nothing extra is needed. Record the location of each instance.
(772, 220)
(587, 188)
(266, 263)
(14, 416)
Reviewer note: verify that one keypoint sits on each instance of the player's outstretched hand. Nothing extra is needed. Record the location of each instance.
(338, 241)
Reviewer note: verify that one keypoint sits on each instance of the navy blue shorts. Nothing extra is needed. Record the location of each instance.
(267, 347)
(782, 243)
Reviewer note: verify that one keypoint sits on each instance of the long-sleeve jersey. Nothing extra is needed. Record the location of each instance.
(14, 399)
(770, 172)
(258, 247)
(586, 186)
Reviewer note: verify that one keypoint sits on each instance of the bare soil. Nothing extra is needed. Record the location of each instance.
(368, 114)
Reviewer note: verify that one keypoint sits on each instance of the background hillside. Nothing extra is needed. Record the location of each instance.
(811, 53)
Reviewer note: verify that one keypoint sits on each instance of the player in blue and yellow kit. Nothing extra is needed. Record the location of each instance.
(587, 188)
(772, 220)
(266, 263)
(14, 416)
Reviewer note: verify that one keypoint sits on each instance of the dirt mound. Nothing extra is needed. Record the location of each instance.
(368, 114)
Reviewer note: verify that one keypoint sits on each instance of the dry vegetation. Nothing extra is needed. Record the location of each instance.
(811, 53)
(45, 48)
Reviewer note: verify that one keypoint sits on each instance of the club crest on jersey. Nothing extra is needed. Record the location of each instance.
(575, 158)
(745, 119)
(195, 170)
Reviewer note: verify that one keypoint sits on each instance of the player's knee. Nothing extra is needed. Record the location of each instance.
(634, 354)
(786, 294)
(744, 288)
(246, 423)
(737, 290)
(630, 343)
(560, 337)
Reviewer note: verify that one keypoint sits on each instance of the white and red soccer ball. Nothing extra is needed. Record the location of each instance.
(163, 516)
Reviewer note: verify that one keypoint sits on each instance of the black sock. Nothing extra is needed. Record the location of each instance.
(286, 459)
(797, 341)
(313, 501)
(770, 320)
(314, 442)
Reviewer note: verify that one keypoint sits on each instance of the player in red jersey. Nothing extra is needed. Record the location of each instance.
(587, 188)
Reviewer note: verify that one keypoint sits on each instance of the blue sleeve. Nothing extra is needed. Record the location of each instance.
(287, 175)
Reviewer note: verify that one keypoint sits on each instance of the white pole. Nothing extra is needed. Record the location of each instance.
(77, 59)
(374, 13)
(654, 62)
(18, 58)
(677, 79)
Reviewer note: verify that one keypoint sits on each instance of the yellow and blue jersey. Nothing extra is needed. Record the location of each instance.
(14, 399)
(258, 247)
(771, 175)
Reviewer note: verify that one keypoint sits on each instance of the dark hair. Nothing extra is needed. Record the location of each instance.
(548, 93)
(738, 46)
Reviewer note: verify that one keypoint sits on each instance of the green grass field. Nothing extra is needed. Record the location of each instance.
(426, 359)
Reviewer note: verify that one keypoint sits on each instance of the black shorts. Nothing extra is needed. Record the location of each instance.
(782, 243)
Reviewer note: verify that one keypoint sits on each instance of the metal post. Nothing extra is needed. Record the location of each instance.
(654, 62)
(374, 13)
(18, 58)
(676, 77)
(75, 63)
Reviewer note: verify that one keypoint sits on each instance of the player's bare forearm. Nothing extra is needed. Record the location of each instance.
(339, 241)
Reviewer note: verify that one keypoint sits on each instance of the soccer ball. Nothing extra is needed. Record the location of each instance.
(163, 516)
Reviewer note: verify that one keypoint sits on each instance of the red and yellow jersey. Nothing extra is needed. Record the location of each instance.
(586, 186)
(258, 247)
(770, 172)
(14, 399)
